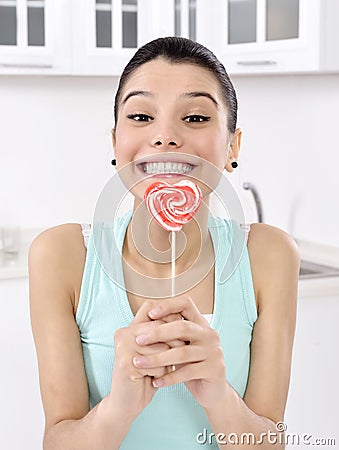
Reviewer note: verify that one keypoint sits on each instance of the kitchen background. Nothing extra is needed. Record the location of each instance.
(55, 154)
(56, 149)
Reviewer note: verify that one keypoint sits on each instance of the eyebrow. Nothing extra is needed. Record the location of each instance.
(134, 93)
(195, 94)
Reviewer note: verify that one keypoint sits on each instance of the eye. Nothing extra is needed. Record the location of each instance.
(196, 118)
(140, 117)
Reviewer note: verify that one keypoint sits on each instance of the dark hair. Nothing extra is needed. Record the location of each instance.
(181, 50)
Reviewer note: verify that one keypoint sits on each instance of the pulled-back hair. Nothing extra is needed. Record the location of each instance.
(178, 50)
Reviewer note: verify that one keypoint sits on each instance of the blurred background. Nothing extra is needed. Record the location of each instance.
(59, 67)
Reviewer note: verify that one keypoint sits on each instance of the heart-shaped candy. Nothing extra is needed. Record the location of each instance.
(173, 205)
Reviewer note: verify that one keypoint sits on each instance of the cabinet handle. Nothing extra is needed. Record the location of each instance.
(257, 63)
(25, 66)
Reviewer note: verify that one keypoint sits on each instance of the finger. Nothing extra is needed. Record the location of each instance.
(142, 313)
(156, 372)
(146, 327)
(173, 318)
(176, 343)
(148, 350)
(170, 357)
(183, 330)
(153, 348)
(188, 372)
(184, 306)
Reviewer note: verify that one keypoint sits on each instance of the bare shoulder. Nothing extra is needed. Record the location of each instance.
(275, 262)
(59, 254)
(274, 257)
(271, 242)
(57, 238)
(56, 260)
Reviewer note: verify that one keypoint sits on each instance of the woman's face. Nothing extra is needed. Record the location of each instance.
(171, 120)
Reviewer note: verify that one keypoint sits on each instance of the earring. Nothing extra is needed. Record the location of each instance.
(234, 164)
(114, 162)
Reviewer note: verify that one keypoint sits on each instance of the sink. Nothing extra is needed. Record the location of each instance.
(310, 269)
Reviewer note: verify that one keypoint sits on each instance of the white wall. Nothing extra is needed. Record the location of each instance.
(55, 149)
(291, 151)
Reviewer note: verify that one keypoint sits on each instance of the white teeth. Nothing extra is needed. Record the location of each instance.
(167, 167)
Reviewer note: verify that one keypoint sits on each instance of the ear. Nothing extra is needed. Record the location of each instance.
(234, 149)
(113, 137)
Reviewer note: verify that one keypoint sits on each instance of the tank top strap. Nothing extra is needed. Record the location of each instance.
(246, 228)
(86, 230)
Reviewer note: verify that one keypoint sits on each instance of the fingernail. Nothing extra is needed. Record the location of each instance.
(154, 312)
(141, 339)
(158, 383)
(140, 361)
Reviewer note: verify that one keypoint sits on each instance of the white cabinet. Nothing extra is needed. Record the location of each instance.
(34, 36)
(267, 36)
(106, 33)
(312, 407)
(21, 414)
(98, 37)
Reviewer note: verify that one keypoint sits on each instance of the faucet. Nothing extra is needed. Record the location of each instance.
(257, 200)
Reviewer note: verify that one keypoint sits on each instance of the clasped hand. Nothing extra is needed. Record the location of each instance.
(189, 346)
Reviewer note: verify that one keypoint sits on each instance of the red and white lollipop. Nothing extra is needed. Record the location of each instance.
(172, 206)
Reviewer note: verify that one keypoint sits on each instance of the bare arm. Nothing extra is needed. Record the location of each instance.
(53, 264)
(100, 429)
(275, 270)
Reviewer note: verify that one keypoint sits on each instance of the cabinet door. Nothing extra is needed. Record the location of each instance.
(282, 20)
(185, 12)
(260, 21)
(194, 19)
(19, 375)
(106, 33)
(30, 37)
(312, 411)
(272, 35)
(175, 18)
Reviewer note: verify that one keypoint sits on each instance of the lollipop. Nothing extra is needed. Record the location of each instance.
(172, 206)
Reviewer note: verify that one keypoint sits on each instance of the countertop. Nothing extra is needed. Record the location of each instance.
(320, 254)
(17, 267)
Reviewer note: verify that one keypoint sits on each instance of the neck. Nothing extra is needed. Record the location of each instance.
(148, 245)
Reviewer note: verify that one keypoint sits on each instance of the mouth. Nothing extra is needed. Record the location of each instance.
(166, 168)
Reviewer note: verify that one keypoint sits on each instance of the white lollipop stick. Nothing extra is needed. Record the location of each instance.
(172, 206)
(173, 243)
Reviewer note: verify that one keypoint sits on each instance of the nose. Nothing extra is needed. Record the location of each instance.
(162, 141)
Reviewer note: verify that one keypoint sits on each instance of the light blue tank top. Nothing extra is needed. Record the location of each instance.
(174, 418)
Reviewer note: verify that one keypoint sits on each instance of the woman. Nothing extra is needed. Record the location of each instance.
(119, 370)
